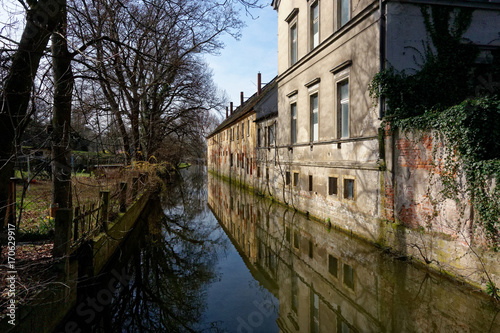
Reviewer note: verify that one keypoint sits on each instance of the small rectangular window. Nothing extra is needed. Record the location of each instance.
(343, 109)
(287, 178)
(332, 185)
(310, 183)
(310, 249)
(314, 24)
(349, 276)
(295, 179)
(287, 234)
(349, 189)
(270, 132)
(293, 127)
(332, 265)
(259, 140)
(242, 130)
(231, 160)
(343, 12)
(258, 172)
(293, 43)
(267, 174)
(314, 117)
(296, 243)
(248, 127)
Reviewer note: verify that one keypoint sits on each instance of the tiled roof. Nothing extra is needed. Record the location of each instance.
(254, 104)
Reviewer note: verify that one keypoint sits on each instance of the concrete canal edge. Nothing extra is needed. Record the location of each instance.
(54, 302)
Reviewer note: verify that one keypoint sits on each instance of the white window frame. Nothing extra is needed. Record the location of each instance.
(313, 127)
(314, 38)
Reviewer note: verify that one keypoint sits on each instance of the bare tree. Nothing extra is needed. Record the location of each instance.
(147, 61)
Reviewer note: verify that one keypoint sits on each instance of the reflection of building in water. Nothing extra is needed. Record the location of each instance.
(327, 281)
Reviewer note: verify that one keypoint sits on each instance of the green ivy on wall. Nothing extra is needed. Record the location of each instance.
(440, 96)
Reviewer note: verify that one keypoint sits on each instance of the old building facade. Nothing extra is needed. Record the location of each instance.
(322, 149)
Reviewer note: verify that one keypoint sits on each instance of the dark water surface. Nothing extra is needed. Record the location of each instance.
(210, 257)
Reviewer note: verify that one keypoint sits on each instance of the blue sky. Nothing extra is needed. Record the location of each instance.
(236, 68)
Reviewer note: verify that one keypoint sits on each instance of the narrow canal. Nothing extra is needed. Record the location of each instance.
(211, 257)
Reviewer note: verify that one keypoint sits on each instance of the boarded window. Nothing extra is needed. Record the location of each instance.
(332, 265)
(332, 185)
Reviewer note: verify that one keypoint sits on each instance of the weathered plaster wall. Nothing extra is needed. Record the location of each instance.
(425, 223)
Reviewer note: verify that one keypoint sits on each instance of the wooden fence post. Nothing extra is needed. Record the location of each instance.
(76, 219)
(123, 197)
(104, 209)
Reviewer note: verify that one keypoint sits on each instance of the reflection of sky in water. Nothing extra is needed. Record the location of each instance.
(232, 299)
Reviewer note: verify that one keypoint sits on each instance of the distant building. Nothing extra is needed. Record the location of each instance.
(232, 145)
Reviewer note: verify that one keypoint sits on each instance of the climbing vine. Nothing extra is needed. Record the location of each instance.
(438, 97)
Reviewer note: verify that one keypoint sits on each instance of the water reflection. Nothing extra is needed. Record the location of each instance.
(159, 281)
(327, 281)
(245, 264)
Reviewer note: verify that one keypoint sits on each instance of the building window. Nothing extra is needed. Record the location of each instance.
(295, 179)
(293, 43)
(310, 249)
(349, 189)
(237, 132)
(332, 265)
(258, 172)
(267, 174)
(349, 276)
(293, 127)
(270, 132)
(343, 12)
(287, 234)
(231, 160)
(343, 109)
(314, 312)
(259, 140)
(243, 161)
(248, 127)
(296, 243)
(314, 21)
(242, 130)
(332, 185)
(287, 178)
(310, 183)
(314, 117)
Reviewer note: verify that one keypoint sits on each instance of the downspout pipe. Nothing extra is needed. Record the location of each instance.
(382, 51)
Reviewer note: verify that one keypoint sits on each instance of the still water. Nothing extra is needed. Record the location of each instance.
(210, 257)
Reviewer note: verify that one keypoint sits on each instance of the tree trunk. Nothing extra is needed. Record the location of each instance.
(61, 122)
(41, 20)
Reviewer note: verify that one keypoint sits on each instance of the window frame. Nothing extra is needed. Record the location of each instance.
(293, 122)
(346, 195)
(312, 22)
(313, 135)
(336, 192)
(340, 6)
(343, 121)
(293, 41)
